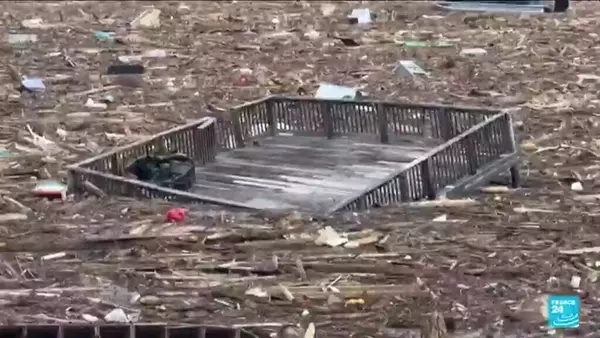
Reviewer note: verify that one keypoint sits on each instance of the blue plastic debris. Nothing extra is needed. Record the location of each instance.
(361, 16)
(104, 35)
(32, 85)
(335, 92)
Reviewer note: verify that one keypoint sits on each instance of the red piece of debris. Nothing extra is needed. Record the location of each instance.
(242, 80)
(176, 215)
(50, 189)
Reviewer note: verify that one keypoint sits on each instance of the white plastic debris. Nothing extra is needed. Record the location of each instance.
(156, 53)
(529, 145)
(183, 8)
(328, 236)
(32, 84)
(305, 313)
(576, 186)
(245, 71)
(135, 297)
(150, 300)
(581, 78)
(117, 316)
(441, 218)
(351, 245)
(310, 331)
(54, 256)
(473, 52)
(257, 292)
(95, 105)
(15, 39)
(361, 15)
(327, 9)
(89, 318)
(33, 23)
(335, 92)
(62, 134)
(129, 58)
(552, 280)
(148, 19)
(312, 34)
(575, 282)
(433, 17)
(171, 86)
(409, 68)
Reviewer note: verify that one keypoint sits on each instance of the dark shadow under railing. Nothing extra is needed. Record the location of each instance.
(123, 186)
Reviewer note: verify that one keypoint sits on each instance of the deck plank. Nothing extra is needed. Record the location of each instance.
(301, 172)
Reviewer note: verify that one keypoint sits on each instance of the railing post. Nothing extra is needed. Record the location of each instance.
(118, 167)
(446, 129)
(114, 165)
(327, 119)
(271, 118)
(404, 187)
(471, 154)
(515, 177)
(75, 181)
(383, 123)
(509, 134)
(205, 149)
(362, 202)
(237, 129)
(213, 146)
(198, 144)
(427, 180)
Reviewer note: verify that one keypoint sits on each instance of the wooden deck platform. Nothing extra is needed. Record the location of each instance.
(302, 172)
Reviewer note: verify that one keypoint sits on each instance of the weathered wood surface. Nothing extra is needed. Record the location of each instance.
(308, 173)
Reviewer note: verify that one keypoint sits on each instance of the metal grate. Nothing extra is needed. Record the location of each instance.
(121, 331)
(474, 139)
